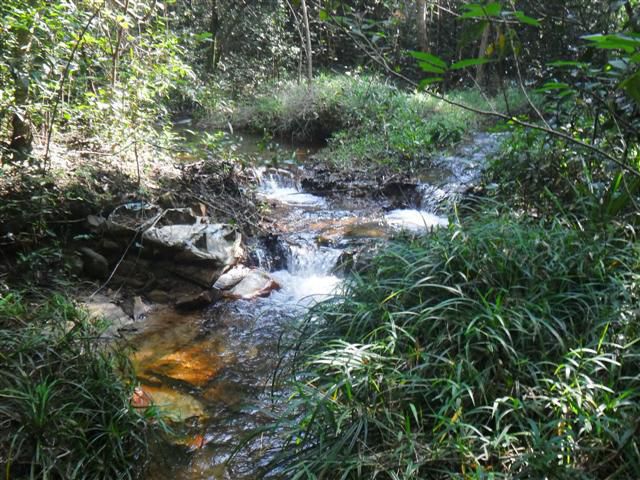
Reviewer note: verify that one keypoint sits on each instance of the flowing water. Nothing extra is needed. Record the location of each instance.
(211, 372)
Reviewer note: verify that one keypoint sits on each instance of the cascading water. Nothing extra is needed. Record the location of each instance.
(215, 368)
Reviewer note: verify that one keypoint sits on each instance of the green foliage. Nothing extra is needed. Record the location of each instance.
(365, 120)
(99, 67)
(64, 399)
(496, 348)
(594, 102)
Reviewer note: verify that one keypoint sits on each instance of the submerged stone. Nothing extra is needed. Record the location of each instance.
(196, 301)
(196, 364)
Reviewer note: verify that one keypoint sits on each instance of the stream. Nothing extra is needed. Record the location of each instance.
(211, 371)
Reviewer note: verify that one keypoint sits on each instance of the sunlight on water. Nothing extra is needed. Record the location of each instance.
(415, 220)
(291, 196)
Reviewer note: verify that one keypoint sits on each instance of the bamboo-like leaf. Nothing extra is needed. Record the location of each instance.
(470, 62)
(526, 20)
(428, 67)
(425, 82)
(429, 58)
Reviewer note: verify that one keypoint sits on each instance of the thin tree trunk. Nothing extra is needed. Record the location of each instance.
(484, 43)
(116, 52)
(307, 31)
(214, 29)
(421, 20)
(21, 143)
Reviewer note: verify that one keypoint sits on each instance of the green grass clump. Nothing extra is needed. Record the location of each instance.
(64, 406)
(496, 348)
(366, 120)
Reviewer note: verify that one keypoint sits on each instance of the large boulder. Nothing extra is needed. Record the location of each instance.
(131, 218)
(178, 241)
(192, 248)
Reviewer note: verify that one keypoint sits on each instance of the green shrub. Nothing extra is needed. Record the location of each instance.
(64, 400)
(365, 120)
(498, 348)
(544, 174)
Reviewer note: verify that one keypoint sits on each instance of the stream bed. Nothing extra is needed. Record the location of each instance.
(211, 372)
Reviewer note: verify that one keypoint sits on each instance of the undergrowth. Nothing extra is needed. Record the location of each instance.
(64, 398)
(365, 120)
(544, 175)
(497, 348)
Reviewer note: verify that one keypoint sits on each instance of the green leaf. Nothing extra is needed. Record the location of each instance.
(425, 82)
(427, 67)
(324, 16)
(470, 62)
(614, 42)
(566, 63)
(552, 86)
(429, 58)
(632, 86)
(525, 19)
(204, 36)
(474, 10)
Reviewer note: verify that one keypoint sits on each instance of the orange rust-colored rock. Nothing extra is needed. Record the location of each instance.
(140, 398)
(197, 442)
(195, 364)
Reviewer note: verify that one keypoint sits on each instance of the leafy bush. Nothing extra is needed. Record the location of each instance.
(497, 348)
(364, 119)
(64, 400)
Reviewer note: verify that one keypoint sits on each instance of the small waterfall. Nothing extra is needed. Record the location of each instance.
(309, 275)
(282, 186)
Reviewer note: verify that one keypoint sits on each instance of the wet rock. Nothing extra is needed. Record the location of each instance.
(132, 217)
(270, 253)
(256, 284)
(398, 190)
(102, 307)
(95, 223)
(366, 230)
(110, 245)
(175, 405)
(197, 301)
(232, 278)
(74, 263)
(141, 399)
(95, 265)
(140, 309)
(159, 296)
(187, 366)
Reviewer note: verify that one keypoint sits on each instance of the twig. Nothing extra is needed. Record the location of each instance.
(556, 133)
(115, 269)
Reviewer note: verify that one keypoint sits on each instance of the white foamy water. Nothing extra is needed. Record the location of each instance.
(414, 220)
(291, 196)
(280, 186)
(305, 290)
(308, 278)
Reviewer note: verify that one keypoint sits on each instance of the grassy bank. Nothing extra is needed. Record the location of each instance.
(496, 348)
(365, 120)
(64, 398)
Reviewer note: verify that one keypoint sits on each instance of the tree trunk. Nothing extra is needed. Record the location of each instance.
(421, 20)
(116, 52)
(214, 29)
(484, 43)
(307, 31)
(21, 143)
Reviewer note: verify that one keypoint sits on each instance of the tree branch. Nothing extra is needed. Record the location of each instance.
(371, 51)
